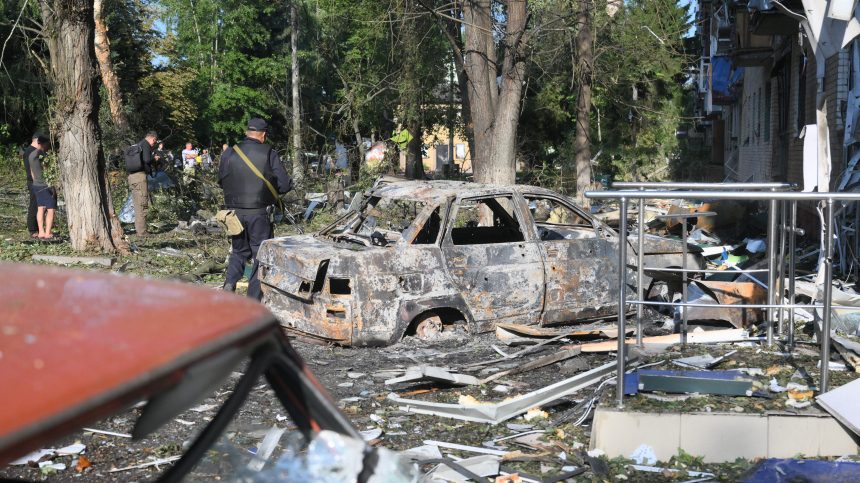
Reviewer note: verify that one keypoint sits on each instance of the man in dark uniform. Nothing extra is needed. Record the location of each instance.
(252, 199)
(32, 226)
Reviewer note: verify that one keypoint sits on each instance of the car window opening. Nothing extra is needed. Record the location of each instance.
(381, 222)
(556, 221)
(430, 231)
(339, 286)
(486, 221)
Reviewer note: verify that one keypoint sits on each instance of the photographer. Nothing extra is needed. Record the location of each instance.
(138, 168)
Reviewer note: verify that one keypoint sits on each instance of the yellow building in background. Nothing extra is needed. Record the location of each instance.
(435, 147)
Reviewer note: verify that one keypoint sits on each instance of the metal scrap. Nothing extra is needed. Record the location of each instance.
(497, 413)
(435, 374)
(730, 383)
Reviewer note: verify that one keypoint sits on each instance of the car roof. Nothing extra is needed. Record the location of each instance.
(77, 346)
(437, 190)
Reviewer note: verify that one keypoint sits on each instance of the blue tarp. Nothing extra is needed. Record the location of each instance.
(791, 471)
(721, 67)
(736, 76)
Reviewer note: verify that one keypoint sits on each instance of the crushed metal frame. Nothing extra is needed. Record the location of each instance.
(546, 273)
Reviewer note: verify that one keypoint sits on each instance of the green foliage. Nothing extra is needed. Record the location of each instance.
(230, 56)
(639, 91)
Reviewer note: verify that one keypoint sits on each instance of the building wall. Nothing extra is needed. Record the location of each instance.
(836, 90)
(439, 136)
(756, 154)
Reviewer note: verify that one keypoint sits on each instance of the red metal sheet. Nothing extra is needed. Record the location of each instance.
(74, 342)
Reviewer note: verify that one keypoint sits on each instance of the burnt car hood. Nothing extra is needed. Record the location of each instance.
(294, 260)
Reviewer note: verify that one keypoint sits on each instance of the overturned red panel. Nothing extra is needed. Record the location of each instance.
(78, 345)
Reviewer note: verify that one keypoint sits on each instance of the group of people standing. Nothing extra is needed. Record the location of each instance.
(251, 174)
(253, 179)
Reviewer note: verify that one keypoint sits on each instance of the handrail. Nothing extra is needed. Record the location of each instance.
(723, 195)
(778, 234)
(702, 186)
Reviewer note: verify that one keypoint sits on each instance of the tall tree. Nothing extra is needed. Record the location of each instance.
(69, 29)
(583, 73)
(109, 77)
(491, 58)
(298, 160)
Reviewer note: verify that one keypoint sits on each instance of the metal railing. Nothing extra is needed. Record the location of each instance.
(782, 229)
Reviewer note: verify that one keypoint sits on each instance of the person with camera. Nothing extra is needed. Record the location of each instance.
(253, 179)
(141, 160)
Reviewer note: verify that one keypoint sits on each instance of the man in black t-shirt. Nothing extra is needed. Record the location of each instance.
(32, 208)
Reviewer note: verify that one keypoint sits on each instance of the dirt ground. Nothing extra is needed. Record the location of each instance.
(353, 378)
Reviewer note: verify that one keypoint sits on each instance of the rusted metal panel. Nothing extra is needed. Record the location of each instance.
(728, 212)
(77, 346)
(730, 293)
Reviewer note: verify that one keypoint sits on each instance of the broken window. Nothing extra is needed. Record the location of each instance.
(380, 222)
(557, 221)
(430, 231)
(486, 221)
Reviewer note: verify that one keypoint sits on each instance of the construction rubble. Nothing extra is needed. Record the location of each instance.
(705, 398)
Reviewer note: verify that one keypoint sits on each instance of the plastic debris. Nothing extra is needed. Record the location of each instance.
(644, 455)
(425, 452)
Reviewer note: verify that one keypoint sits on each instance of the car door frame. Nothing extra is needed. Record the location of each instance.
(569, 263)
(468, 279)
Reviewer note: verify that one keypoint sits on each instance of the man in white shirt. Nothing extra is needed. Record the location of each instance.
(189, 160)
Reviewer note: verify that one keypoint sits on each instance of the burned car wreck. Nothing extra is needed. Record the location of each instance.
(418, 255)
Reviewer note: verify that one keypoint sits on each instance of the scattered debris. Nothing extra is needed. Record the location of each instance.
(425, 452)
(653, 469)
(35, 456)
(556, 357)
(496, 413)
(371, 434)
(109, 433)
(644, 455)
(485, 465)
(729, 335)
(517, 331)
(156, 463)
(463, 447)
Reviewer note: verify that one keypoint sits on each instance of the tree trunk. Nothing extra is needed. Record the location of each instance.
(70, 25)
(298, 162)
(109, 78)
(581, 145)
(414, 160)
(494, 104)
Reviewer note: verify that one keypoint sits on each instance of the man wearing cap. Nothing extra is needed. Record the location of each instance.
(138, 185)
(36, 143)
(249, 192)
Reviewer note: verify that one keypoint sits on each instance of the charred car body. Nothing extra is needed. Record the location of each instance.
(444, 251)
